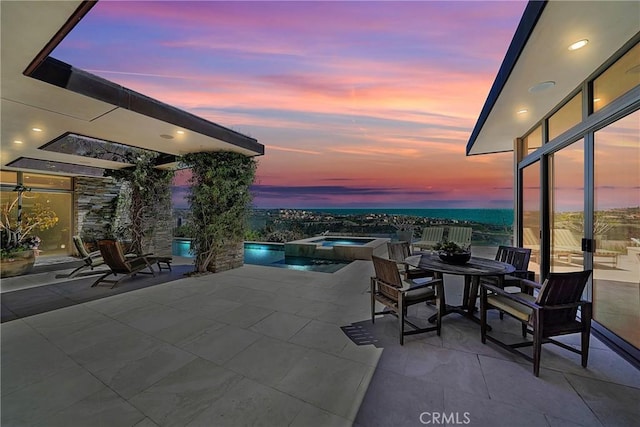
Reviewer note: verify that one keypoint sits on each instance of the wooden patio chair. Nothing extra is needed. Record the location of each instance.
(114, 257)
(552, 313)
(517, 257)
(398, 252)
(397, 295)
(430, 237)
(460, 236)
(90, 259)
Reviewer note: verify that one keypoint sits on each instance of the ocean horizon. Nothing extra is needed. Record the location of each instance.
(502, 217)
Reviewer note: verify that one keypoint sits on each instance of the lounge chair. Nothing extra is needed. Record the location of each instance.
(90, 259)
(461, 236)
(532, 242)
(114, 257)
(565, 244)
(430, 237)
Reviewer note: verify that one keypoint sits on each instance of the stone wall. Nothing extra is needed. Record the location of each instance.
(231, 256)
(94, 204)
(159, 237)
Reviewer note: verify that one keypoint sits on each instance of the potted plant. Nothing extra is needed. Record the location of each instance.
(18, 248)
(404, 229)
(453, 253)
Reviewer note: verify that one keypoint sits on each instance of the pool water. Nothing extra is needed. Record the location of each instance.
(272, 255)
(328, 241)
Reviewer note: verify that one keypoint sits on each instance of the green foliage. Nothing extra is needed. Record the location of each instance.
(450, 247)
(150, 193)
(220, 201)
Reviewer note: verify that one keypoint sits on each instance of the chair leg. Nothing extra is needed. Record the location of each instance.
(483, 315)
(537, 343)
(401, 314)
(586, 333)
(373, 300)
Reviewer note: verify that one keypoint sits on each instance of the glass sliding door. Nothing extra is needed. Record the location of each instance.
(566, 183)
(616, 228)
(531, 214)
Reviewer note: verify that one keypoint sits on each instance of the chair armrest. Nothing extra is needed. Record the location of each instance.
(94, 254)
(529, 284)
(407, 286)
(565, 306)
(514, 297)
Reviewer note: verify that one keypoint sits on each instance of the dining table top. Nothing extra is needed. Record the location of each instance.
(476, 266)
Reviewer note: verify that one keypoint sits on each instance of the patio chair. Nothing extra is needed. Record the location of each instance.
(114, 257)
(398, 252)
(517, 257)
(430, 237)
(90, 259)
(397, 295)
(460, 236)
(552, 313)
(566, 244)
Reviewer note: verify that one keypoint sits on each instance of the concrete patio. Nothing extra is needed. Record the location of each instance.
(264, 346)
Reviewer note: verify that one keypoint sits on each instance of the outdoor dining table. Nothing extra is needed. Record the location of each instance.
(472, 270)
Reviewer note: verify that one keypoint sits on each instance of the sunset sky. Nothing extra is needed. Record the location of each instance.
(358, 104)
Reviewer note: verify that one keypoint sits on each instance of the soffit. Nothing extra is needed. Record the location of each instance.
(26, 28)
(545, 57)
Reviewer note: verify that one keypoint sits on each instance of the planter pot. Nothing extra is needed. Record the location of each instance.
(459, 258)
(405, 235)
(19, 263)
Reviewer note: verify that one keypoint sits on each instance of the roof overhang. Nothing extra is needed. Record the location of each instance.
(39, 91)
(538, 53)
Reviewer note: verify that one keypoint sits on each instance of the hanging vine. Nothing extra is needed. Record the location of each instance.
(150, 191)
(220, 202)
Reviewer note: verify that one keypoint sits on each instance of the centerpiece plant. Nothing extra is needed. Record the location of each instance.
(448, 247)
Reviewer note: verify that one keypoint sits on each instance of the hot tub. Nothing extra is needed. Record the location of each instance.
(337, 247)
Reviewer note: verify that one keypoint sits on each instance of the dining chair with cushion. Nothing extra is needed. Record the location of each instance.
(517, 257)
(431, 236)
(399, 252)
(397, 295)
(553, 312)
(118, 263)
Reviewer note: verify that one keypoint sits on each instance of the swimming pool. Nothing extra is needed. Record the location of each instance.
(272, 255)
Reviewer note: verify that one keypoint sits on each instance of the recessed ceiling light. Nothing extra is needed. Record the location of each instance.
(596, 99)
(165, 136)
(522, 111)
(17, 141)
(36, 129)
(539, 87)
(180, 132)
(579, 44)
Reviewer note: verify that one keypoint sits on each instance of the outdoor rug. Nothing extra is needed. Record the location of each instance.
(31, 301)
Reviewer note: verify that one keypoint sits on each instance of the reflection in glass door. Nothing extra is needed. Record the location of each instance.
(566, 170)
(616, 228)
(531, 214)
